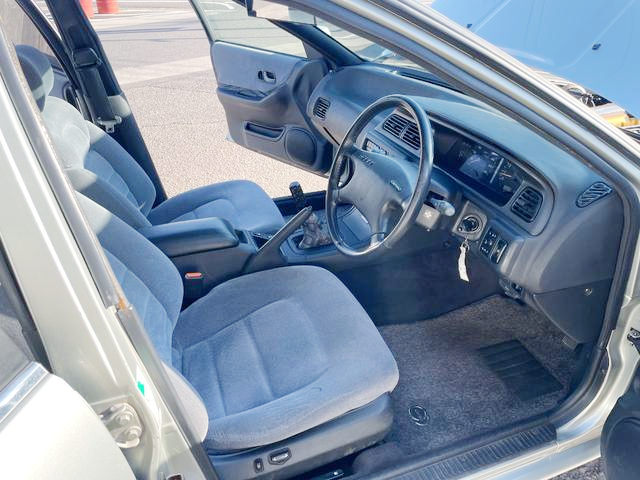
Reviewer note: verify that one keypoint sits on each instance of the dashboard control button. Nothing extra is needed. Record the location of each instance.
(501, 246)
(489, 240)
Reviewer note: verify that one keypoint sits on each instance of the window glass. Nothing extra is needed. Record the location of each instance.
(20, 29)
(228, 22)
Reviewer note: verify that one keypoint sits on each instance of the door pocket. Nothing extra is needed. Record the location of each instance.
(293, 144)
(265, 133)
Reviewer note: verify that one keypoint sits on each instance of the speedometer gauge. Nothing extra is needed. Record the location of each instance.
(508, 178)
(490, 171)
(479, 163)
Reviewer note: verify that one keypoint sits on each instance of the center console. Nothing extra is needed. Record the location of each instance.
(206, 251)
(210, 251)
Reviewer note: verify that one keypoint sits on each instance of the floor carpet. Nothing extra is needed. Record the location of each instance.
(443, 370)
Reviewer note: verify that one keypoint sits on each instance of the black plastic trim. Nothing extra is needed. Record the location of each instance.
(474, 459)
(78, 33)
(51, 36)
(319, 446)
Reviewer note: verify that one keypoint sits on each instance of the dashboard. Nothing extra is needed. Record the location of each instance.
(546, 222)
(478, 165)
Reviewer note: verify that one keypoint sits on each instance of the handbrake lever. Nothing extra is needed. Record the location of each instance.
(269, 256)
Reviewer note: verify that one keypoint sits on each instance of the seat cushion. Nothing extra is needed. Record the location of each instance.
(244, 204)
(278, 352)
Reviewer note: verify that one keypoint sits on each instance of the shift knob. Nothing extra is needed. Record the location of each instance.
(298, 195)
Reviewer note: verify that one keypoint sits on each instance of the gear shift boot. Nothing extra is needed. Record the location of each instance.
(315, 233)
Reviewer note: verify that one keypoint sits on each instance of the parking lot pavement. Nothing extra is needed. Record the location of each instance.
(161, 56)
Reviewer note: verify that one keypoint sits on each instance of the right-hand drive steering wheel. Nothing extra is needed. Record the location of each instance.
(389, 192)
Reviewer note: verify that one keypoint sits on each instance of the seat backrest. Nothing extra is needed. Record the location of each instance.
(96, 164)
(153, 286)
(150, 281)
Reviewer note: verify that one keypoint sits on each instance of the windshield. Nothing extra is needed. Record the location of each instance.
(365, 49)
(507, 38)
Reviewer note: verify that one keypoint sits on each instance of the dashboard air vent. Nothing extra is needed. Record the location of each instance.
(403, 129)
(593, 193)
(527, 204)
(411, 136)
(395, 124)
(320, 108)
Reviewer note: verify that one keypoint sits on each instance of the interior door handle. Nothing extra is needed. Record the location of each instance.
(267, 76)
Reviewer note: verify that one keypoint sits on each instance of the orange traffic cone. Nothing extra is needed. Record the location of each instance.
(107, 6)
(87, 7)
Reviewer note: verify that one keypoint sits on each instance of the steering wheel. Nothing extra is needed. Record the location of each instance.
(389, 192)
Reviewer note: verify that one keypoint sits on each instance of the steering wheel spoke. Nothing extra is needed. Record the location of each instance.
(387, 191)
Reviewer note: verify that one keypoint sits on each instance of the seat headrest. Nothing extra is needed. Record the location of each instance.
(38, 72)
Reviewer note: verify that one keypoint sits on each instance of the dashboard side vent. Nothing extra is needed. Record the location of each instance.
(527, 204)
(320, 107)
(411, 136)
(395, 125)
(593, 193)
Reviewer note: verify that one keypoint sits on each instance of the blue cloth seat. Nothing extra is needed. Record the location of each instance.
(102, 170)
(271, 355)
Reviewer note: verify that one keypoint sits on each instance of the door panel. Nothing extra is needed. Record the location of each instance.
(265, 95)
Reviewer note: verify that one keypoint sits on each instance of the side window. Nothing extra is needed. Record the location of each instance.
(228, 21)
(20, 29)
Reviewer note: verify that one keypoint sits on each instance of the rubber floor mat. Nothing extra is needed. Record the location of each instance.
(520, 371)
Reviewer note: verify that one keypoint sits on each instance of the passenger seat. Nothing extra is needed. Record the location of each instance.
(102, 170)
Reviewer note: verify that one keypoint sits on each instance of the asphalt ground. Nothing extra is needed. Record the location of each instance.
(160, 54)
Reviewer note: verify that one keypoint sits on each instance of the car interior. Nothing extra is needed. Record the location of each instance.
(449, 286)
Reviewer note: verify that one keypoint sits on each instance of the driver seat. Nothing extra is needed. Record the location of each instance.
(101, 169)
(290, 371)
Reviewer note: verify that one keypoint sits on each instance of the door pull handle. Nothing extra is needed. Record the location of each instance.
(267, 76)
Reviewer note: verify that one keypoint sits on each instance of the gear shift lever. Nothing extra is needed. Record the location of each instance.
(298, 196)
(314, 233)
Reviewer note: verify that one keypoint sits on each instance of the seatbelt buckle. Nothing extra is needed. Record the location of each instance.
(193, 285)
(109, 125)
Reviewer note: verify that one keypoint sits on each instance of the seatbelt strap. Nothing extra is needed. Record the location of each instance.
(87, 64)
